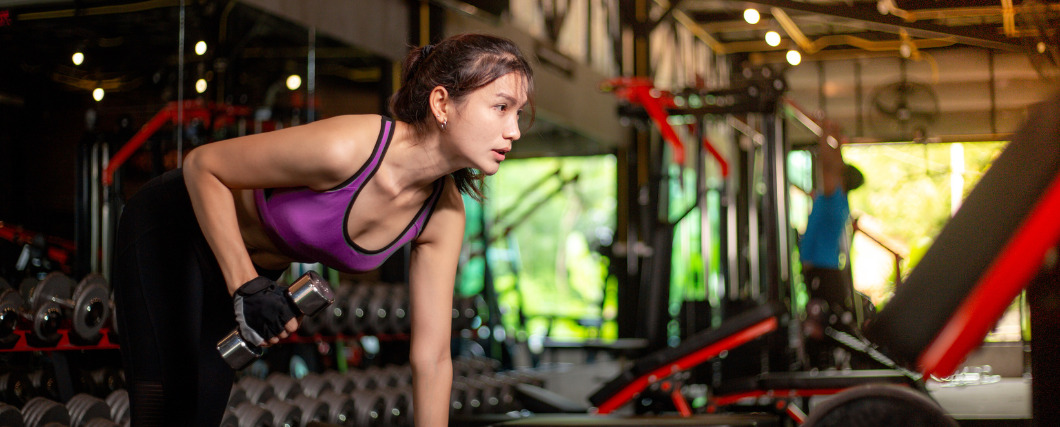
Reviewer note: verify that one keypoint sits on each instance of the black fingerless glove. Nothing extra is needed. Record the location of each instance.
(262, 309)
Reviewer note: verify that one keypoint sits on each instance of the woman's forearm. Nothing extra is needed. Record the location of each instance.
(431, 384)
(215, 211)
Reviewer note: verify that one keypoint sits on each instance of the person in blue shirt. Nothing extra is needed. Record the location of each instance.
(821, 244)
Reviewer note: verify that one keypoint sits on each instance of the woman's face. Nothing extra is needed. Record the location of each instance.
(486, 123)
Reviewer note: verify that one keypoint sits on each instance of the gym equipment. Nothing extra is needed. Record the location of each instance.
(464, 312)
(361, 380)
(885, 404)
(10, 416)
(251, 415)
(340, 383)
(284, 386)
(312, 409)
(45, 316)
(119, 406)
(236, 396)
(357, 307)
(257, 390)
(44, 382)
(106, 381)
(39, 412)
(371, 408)
(284, 414)
(341, 407)
(310, 293)
(16, 388)
(10, 303)
(230, 419)
(100, 422)
(313, 384)
(84, 408)
(86, 304)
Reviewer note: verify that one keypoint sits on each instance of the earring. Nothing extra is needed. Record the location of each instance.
(443, 124)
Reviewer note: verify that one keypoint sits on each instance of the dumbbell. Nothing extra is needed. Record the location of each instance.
(361, 380)
(312, 409)
(39, 412)
(284, 414)
(370, 409)
(86, 303)
(357, 306)
(236, 396)
(45, 317)
(257, 390)
(10, 416)
(10, 303)
(84, 408)
(341, 407)
(119, 406)
(251, 415)
(340, 383)
(106, 380)
(284, 386)
(230, 419)
(313, 384)
(16, 388)
(310, 293)
(45, 383)
(398, 402)
(464, 312)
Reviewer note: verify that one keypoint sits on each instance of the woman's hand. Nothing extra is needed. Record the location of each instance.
(264, 312)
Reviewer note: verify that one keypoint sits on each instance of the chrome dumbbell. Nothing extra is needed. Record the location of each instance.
(86, 304)
(310, 293)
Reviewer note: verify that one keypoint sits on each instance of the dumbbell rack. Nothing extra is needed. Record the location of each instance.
(302, 339)
(67, 341)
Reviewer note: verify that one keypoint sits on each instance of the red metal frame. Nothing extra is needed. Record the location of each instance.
(730, 399)
(58, 249)
(1002, 282)
(641, 91)
(695, 358)
(22, 344)
(193, 109)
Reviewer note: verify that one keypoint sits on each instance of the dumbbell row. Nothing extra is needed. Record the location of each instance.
(46, 305)
(17, 388)
(83, 410)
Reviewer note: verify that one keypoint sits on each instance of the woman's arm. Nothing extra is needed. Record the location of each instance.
(432, 272)
(319, 155)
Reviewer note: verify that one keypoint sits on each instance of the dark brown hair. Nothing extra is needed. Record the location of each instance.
(460, 64)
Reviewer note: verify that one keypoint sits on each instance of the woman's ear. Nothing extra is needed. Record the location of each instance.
(439, 102)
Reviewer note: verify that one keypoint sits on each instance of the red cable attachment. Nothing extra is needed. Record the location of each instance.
(681, 403)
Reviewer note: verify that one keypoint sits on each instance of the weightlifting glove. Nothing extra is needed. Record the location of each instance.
(262, 309)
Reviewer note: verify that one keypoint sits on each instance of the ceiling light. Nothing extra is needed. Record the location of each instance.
(200, 48)
(751, 16)
(793, 56)
(200, 85)
(78, 58)
(1041, 47)
(294, 82)
(97, 94)
(773, 38)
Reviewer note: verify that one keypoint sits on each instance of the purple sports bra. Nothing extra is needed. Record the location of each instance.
(310, 226)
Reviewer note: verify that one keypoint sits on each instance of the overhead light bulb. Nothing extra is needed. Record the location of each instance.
(294, 82)
(773, 38)
(200, 85)
(97, 94)
(794, 57)
(1041, 47)
(78, 58)
(751, 16)
(200, 48)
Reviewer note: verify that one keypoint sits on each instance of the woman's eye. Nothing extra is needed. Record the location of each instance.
(501, 107)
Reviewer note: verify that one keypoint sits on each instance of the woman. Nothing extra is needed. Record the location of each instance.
(345, 191)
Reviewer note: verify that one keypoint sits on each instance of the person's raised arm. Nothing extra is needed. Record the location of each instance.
(319, 155)
(431, 275)
(830, 159)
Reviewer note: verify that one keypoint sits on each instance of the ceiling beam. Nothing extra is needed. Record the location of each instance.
(871, 18)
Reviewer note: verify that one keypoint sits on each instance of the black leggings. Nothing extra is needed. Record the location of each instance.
(172, 307)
